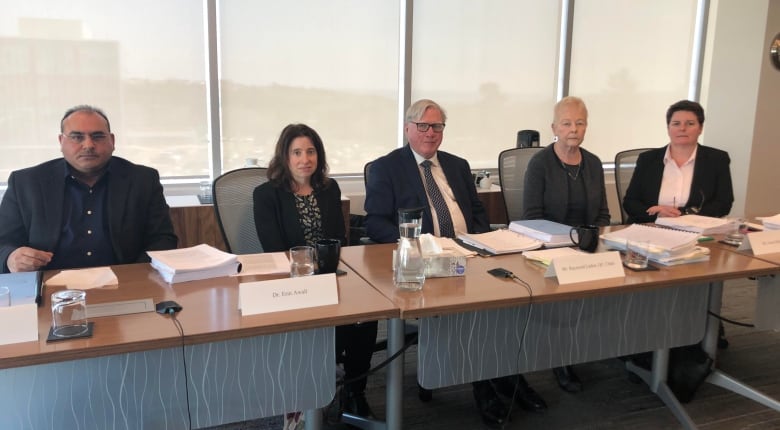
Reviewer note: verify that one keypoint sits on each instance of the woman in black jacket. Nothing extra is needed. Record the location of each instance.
(300, 205)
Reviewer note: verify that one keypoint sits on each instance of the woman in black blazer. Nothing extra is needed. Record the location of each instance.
(300, 205)
(682, 177)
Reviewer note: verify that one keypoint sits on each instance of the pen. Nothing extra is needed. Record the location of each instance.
(674, 201)
(705, 238)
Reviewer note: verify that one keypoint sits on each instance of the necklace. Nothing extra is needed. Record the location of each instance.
(568, 168)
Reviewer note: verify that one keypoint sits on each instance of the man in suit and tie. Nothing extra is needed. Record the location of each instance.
(419, 175)
(86, 209)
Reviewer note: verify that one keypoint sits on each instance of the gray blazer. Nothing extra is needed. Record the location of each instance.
(546, 194)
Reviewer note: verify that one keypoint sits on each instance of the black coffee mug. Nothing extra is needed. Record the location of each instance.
(587, 237)
(328, 252)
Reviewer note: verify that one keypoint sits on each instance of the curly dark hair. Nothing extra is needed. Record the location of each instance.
(279, 167)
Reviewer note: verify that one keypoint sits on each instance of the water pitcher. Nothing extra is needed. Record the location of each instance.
(409, 264)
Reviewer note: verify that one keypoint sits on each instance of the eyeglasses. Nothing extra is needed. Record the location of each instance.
(694, 210)
(438, 127)
(97, 137)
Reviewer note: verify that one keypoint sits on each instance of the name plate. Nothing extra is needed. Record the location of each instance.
(586, 267)
(20, 322)
(761, 242)
(286, 294)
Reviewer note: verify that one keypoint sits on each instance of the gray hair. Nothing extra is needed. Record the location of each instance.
(418, 108)
(568, 101)
(83, 108)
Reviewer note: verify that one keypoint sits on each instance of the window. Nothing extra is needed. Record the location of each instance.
(331, 65)
(142, 62)
(492, 67)
(629, 62)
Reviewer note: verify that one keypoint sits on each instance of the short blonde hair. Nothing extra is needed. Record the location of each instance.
(568, 101)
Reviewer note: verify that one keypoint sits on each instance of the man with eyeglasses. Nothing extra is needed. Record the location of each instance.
(86, 209)
(419, 175)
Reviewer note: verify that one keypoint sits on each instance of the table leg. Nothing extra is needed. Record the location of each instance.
(395, 375)
(710, 345)
(313, 419)
(656, 380)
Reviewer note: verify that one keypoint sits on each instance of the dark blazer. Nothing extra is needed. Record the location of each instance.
(546, 189)
(710, 187)
(139, 220)
(394, 182)
(276, 217)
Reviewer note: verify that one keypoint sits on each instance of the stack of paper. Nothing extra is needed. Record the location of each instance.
(698, 254)
(500, 241)
(772, 222)
(197, 262)
(432, 246)
(697, 223)
(546, 256)
(665, 246)
(553, 234)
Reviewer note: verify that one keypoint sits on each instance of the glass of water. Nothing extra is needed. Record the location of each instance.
(301, 261)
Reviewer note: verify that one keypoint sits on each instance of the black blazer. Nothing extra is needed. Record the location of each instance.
(710, 187)
(395, 183)
(276, 217)
(139, 220)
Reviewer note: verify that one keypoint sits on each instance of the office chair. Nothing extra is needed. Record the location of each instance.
(527, 139)
(512, 164)
(625, 162)
(233, 207)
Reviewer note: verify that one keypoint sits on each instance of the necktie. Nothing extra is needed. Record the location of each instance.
(442, 212)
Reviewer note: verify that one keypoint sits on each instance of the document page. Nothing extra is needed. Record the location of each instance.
(268, 263)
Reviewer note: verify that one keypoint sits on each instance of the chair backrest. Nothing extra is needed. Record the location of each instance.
(625, 162)
(366, 169)
(233, 205)
(512, 164)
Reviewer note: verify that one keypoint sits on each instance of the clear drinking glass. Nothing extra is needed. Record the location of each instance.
(5, 297)
(637, 253)
(301, 261)
(738, 232)
(69, 313)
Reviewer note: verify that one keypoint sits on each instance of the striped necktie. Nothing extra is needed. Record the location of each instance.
(442, 211)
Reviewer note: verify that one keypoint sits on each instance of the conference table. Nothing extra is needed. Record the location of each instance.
(137, 371)
(477, 327)
(765, 317)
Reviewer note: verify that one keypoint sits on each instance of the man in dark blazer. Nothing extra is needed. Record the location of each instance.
(397, 181)
(86, 209)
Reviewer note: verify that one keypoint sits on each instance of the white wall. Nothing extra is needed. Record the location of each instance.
(763, 189)
(732, 78)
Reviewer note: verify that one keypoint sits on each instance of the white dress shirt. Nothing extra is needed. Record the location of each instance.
(458, 221)
(676, 181)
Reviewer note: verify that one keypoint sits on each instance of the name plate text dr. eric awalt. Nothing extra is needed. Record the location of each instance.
(589, 267)
(288, 293)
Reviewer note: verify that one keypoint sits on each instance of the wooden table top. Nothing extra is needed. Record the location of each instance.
(210, 313)
(480, 290)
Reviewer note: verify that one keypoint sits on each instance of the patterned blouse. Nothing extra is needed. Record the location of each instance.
(309, 217)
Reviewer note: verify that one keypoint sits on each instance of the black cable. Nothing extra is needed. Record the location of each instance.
(525, 284)
(379, 366)
(722, 318)
(184, 360)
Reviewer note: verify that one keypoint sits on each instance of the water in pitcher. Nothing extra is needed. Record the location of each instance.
(409, 265)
